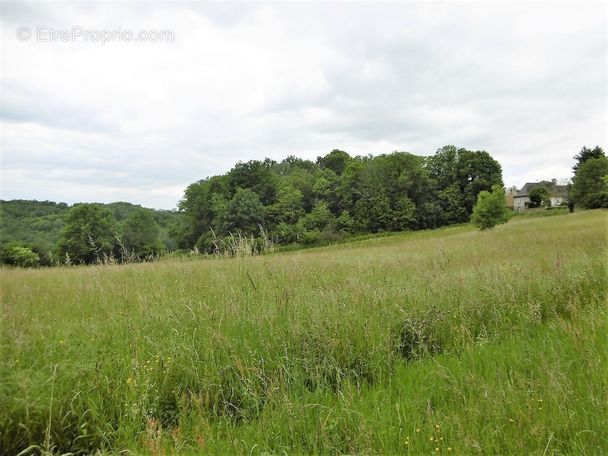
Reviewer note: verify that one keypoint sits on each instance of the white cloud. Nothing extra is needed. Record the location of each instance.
(83, 121)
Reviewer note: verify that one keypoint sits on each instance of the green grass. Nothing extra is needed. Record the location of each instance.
(485, 342)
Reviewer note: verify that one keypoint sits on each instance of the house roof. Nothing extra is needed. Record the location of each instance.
(554, 190)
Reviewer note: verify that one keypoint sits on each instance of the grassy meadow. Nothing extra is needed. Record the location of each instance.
(452, 341)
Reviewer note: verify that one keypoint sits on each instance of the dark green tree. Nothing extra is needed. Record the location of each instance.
(201, 209)
(256, 176)
(245, 213)
(477, 171)
(590, 184)
(141, 234)
(336, 160)
(470, 171)
(587, 154)
(289, 207)
(451, 201)
(339, 194)
(490, 209)
(89, 235)
(538, 196)
(319, 219)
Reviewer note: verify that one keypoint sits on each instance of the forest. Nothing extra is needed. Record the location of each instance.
(306, 202)
(32, 233)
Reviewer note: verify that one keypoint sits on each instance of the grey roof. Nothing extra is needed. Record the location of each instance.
(554, 190)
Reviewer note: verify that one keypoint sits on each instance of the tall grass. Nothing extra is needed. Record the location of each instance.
(448, 341)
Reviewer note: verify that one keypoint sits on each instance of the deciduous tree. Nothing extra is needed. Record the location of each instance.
(245, 213)
(89, 235)
(490, 209)
(141, 234)
(587, 154)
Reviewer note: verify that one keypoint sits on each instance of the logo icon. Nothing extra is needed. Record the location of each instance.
(24, 33)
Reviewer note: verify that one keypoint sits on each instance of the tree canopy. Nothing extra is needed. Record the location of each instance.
(337, 195)
(141, 235)
(587, 154)
(89, 235)
(294, 201)
(38, 226)
(590, 184)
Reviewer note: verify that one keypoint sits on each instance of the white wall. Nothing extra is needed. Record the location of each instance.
(519, 203)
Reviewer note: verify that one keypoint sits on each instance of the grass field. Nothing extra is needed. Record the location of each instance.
(452, 341)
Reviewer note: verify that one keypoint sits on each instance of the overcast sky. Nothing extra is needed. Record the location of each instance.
(135, 121)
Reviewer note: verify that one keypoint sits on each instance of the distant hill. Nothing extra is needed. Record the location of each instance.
(39, 224)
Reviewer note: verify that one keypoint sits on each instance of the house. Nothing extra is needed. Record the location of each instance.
(558, 194)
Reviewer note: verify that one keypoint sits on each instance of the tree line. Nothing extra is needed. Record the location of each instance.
(338, 195)
(293, 201)
(45, 233)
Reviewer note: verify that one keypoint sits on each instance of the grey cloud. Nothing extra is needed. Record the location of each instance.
(246, 81)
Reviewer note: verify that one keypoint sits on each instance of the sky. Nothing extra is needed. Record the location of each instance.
(134, 101)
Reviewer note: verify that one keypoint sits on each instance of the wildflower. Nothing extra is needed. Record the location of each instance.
(510, 420)
(417, 429)
(431, 439)
(437, 449)
(449, 448)
(61, 342)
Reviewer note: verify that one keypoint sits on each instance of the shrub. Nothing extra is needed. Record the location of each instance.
(20, 256)
(490, 209)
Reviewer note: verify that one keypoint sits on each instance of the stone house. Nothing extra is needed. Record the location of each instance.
(558, 194)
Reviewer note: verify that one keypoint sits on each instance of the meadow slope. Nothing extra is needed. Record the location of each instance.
(447, 341)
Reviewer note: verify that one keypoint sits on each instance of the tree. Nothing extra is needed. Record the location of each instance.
(538, 195)
(587, 154)
(490, 209)
(452, 205)
(89, 235)
(590, 186)
(257, 176)
(302, 200)
(470, 171)
(19, 255)
(319, 219)
(202, 208)
(141, 234)
(336, 160)
(289, 206)
(245, 213)
(477, 171)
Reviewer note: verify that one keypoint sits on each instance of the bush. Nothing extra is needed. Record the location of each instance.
(490, 209)
(20, 256)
